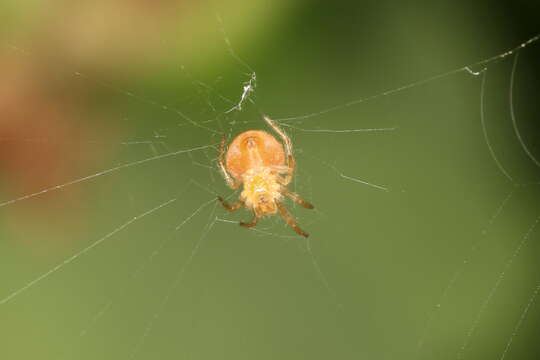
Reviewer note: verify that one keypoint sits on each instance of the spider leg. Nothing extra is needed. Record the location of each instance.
(295, 197)
(290, 220)
(291, 163)
(230, 207)
(252, 223)
(230, 181)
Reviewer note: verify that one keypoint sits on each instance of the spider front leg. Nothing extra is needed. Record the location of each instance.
(230, 181)
(290, 162)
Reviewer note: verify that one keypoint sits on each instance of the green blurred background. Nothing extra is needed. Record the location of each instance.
(443, 265)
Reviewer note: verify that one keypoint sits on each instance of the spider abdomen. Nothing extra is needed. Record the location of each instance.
(253, 149)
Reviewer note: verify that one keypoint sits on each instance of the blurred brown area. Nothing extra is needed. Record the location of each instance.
(41, 147)
(46, 133)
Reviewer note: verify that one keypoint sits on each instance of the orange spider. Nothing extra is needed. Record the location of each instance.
(256, 159)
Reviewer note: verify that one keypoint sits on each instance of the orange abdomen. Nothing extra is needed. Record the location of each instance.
(251, 150)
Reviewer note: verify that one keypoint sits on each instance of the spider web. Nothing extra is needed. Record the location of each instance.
(424, 234)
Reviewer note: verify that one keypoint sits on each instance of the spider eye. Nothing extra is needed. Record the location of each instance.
(251, 142)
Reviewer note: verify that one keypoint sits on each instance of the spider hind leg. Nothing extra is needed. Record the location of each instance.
(230, 207)
(250, 224)
(290, 220)
(297, 198)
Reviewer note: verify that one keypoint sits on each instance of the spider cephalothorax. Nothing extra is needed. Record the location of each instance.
(264, 166)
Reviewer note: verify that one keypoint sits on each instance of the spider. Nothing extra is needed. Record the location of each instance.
(259, 162)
